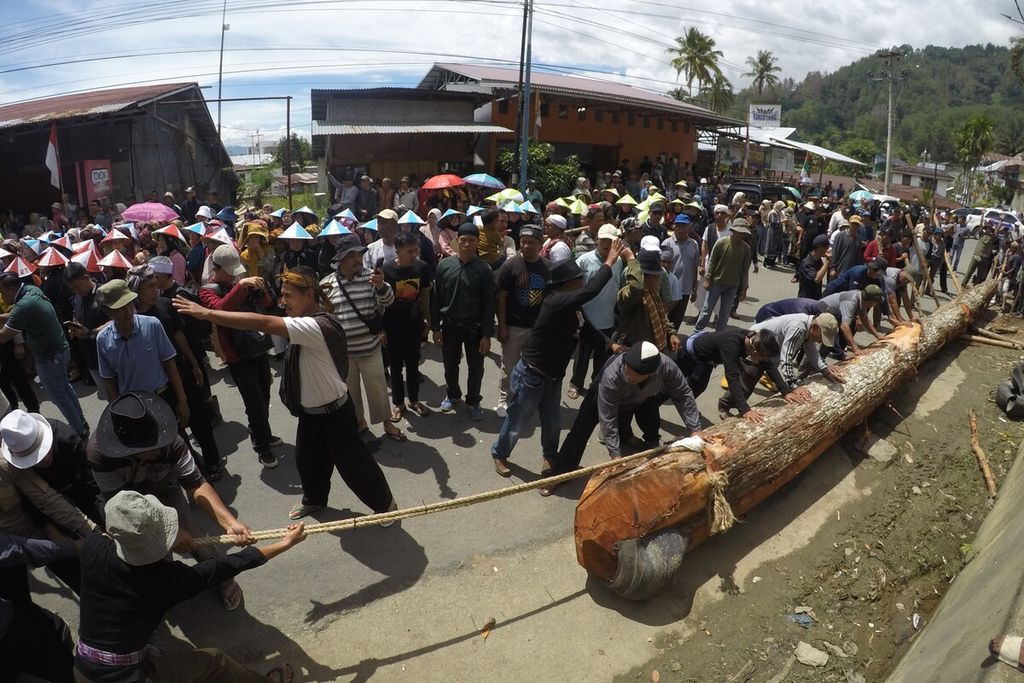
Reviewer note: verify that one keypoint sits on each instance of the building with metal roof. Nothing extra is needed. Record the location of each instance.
(121, 143)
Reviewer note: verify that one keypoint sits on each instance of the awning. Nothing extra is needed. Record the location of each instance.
(817, 151)
(774, 139)
(340, 128)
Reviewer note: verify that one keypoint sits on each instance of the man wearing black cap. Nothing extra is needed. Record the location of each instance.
(643, 315)
(654, 225)
(859, 277)
(813, 268)
(633, 383)
(463, 318)
(536, 381)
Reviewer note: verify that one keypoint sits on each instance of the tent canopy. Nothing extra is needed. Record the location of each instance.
(779, 137)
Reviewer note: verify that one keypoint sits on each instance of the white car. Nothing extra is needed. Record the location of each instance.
(994, 217)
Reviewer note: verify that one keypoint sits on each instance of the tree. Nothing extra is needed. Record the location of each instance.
(258, 184)
(553, 179)
(302, 153)
(695, 57)
(718, 96)
(1009, 136)
(763, 69)
(972, 141)
(679, 94)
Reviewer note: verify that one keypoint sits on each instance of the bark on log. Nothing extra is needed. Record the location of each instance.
(670, 492)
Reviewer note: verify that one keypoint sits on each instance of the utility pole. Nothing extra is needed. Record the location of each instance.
(220, 70)
(522, 105)
(525, 100)
(889, 75)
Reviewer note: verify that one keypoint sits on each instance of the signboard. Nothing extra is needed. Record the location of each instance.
(99, 180)
(765, 115)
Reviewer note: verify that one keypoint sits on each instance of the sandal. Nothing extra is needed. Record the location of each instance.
(300, 510)
(396, 413)
(397, 435)
(420, 409)
(231, 596)
(281, 674)
(573, 393)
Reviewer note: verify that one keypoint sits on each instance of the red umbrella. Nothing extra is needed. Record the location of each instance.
(149, 212)
(22, 267)
(440, 182)
(52, 257)
(115, 259)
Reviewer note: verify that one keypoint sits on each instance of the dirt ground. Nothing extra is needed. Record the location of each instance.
(879, 567)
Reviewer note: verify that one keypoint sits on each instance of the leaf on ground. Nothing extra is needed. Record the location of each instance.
(655, 676)
(488, 625)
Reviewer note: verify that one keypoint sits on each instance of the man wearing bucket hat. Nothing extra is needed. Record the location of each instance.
(129, 583)
(136, 447)
(536, 381)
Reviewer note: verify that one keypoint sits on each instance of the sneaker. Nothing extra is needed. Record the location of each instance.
(476, 413)
(394, 506)
(275, 441)
(268, 460)
(214, 472)
(501, 410)
(448, 405)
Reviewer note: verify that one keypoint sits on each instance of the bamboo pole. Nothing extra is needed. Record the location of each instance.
(979, 454)
(952, 274)
(991, 342)
(993, 335)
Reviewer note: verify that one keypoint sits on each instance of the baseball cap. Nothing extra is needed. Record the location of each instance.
(470, 230)
(161, 264)
(872, 292)
(721, 208)
(650, 243)
(819, 241)
(878, 263)
(828, 325)
(388, 215)
(608, 232)
(650, 262)
(226, 256)
(657, 207)
(682, 219)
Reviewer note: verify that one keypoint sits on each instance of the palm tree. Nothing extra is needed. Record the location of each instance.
(718, 95)
(1017, 57)
(763, 69)
(695, 57)
(972, 141)
(679, 94)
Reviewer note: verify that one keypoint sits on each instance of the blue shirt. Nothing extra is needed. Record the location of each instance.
(600, 310)
(137, 360)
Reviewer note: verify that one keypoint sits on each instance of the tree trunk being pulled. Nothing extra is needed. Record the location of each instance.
(671, 491)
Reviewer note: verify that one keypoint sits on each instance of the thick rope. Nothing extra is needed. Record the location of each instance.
(420, 510)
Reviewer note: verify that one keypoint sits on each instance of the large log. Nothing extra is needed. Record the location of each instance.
(653, 512)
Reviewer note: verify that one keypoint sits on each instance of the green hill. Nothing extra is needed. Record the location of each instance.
(942, 87)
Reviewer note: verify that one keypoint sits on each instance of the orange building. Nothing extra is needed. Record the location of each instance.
(602, 122)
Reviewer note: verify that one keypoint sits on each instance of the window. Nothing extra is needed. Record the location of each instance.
(631, 119)
(581, 113)
(647, 122)
(616, 118)
(686, 126)
(599, 116)
(675, 126)
(503, 107)
(905, 180)
(661, 123)
(544, 110)
(563, 111)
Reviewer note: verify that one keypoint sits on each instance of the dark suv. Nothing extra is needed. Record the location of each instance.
(757, 191)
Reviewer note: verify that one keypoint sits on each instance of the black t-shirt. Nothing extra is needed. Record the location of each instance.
(86, 310)
(407, 283)
(525, 284)
(809, 267)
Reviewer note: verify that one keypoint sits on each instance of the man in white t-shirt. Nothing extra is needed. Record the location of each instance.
(314, 390)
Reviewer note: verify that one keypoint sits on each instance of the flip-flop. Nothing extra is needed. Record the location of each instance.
(300, 510)
(398, 436)
(1009, 650)
(231, 596)
(281, 674)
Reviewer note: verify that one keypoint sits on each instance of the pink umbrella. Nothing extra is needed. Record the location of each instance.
(87, 257)
(171, 231)
(440, 182)
(52, 257)
(22, 267)
(115, 259)
(149, 212)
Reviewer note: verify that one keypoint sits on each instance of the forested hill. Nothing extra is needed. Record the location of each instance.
(846, 110)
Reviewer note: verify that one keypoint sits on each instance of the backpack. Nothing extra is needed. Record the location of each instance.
(291, 384)
(1010, 394)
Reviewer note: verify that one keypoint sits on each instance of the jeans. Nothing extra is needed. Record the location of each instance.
(721, 295)
(954, 254)
(39, 643)
(53, 375)
(331, 441)
(252, 379)
(592, 344)
(404, 360)
(511, 350)
(14, 381)
(455, 338)
(530, 393)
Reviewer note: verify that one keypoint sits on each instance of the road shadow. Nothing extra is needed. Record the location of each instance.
(418, 457)
(391, 552)
(232, 437)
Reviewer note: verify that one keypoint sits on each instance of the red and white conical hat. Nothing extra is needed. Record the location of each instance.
(52, 257)
(22, 267)
(115, 259)
(88, 258)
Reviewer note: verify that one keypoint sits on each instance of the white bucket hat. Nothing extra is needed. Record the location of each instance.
(27, 438)
(204, 212)
(144, 529)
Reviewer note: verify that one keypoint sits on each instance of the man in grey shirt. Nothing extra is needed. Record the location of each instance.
(846, 307)
(799, 336)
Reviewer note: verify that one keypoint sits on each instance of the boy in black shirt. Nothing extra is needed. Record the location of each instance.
(404, 322)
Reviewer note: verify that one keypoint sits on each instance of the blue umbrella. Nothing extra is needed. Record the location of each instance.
(861, 196)
(484, 180)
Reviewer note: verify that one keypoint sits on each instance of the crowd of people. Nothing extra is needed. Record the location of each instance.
(596, 285)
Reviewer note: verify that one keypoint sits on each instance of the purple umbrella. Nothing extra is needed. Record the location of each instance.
(149, 212)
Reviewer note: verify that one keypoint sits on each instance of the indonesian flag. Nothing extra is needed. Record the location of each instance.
(53, 159)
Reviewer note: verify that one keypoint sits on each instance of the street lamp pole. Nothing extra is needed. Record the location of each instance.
(220, 69)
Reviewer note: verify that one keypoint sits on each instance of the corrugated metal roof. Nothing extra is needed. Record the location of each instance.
(337, 128)
(579, 86)
(83, 104)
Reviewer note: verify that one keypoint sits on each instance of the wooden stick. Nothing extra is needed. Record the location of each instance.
(979, 453)
(952, 273)
(991, 342)
(992, 335)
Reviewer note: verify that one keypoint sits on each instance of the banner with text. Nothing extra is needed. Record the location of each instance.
(765, 115)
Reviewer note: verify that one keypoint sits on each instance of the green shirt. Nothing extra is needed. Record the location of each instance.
(730, 263)
(464, 293)
(34, 317)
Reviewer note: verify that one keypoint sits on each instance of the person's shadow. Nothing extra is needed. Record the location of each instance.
(418, 457)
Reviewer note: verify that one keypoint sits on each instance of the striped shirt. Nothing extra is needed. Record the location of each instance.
(797, 347)
(369, 303)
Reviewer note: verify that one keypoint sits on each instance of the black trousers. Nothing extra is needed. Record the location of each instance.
(648, 418)
(331, 441)
(14, 381)
(38, 643)
(455, 338)
(404, 362)
(592, 345)
(252, 379)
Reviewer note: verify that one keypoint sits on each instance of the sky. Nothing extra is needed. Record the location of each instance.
(287, 47)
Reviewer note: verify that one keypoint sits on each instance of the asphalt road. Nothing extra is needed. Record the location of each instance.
(407, 601)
